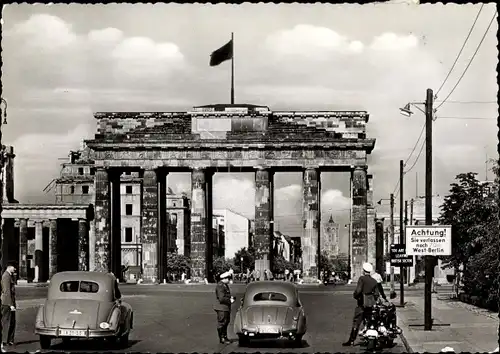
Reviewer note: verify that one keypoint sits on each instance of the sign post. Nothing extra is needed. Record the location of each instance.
(429, 241)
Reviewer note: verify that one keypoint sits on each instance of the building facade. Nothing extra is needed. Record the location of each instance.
(236, 231)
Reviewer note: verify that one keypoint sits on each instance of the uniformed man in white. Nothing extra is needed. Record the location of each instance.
(222, 305)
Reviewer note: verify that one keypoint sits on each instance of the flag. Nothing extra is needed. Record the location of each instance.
(222, 54)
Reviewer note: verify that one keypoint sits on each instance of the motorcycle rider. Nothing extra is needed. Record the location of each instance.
(391, 320)
(366, 293)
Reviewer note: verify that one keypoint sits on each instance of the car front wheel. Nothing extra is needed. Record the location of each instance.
(242, 341)
(45, 342)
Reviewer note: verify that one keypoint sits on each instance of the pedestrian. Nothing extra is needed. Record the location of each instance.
(8, 300)
(222, 305)
(365, 294)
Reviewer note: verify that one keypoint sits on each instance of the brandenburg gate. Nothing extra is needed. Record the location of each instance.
(224, 138)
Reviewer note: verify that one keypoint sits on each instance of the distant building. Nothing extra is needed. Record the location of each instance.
(330, 238)
(218, 234)
(76, 186)
(236, 231)
(282, 245)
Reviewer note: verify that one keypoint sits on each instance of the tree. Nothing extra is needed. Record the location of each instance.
(458, 211)
(340, 264)
(280, 264)
(248, 256)
(178, 263)
(221, 265)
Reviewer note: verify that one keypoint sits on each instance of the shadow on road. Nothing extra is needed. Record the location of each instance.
(276, 344)
(92, 345)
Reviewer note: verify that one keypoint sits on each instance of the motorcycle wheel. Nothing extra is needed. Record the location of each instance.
(389, 343)
(372, 344)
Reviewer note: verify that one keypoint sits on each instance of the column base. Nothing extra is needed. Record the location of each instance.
(22, 281)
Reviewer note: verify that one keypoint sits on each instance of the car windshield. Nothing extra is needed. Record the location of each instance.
(270, 296)
(75, 286)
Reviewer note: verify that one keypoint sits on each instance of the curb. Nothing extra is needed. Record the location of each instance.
(406, 344)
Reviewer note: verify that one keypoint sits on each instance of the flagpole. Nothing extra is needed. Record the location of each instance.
(232, 69)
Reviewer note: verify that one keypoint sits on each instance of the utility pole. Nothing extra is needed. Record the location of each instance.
(407, 269)
(429, 264)
(392, 241)
(411, 273)
(401, 231)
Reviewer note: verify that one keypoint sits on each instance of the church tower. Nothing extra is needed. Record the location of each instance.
(330, 242)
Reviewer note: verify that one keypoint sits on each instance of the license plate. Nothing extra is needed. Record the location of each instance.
(272, 330)
(73, 332)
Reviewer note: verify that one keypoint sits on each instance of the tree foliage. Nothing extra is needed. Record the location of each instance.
(280, 264)
(472, 212)
(177, 263)
(221, 265)
(331, 264)
(248, 256)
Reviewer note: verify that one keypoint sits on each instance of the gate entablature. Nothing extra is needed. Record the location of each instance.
(225, 137)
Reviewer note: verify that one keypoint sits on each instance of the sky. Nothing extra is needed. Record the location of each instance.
(63, 62)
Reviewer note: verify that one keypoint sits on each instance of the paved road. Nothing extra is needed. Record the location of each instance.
(180, 319)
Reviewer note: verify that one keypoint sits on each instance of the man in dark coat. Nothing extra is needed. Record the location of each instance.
(366, 294)
(8, 300)
(222, 305)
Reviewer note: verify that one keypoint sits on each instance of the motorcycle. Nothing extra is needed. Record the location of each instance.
(380, 326)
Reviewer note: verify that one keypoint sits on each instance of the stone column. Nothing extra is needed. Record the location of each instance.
(163, 235)
(92, 263)
(379, 246)
(310, 220)
(53, 249)
(150, 226)
(198, 225)
(83, 246)
(371, 233)
(115, 223)
(262, 235)
(359, 221)
(38, 251)
(23, 250)
(102, 221)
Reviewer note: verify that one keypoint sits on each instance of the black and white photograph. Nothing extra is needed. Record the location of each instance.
(269, 177)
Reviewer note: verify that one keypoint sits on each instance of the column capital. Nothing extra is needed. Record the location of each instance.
(360, 168)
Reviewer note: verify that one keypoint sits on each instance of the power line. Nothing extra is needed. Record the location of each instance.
(461, 49)
(470, 102)
(416, 143)
(418, 157)
(470, 61)
(473, 118)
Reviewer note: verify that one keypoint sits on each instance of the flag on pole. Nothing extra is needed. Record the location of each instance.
(222, 54)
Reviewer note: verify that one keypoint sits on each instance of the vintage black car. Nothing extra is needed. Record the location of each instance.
(270, 310)
(83, 305)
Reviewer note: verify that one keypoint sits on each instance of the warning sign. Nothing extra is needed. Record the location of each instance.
(399, 258)
(429, 240)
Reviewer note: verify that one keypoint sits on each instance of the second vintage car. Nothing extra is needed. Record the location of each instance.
(83, 305)
(270, 310)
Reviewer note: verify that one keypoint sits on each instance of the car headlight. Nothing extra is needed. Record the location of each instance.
(104, 325)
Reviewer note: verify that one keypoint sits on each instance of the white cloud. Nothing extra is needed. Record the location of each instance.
(47, 31)
(391, 42)
(237, 194)
(334, 202)
(37, 158)
(312, 42)
(105, 36)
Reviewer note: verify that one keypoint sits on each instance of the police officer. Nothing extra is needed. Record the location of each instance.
(366, 292)
(222, 305)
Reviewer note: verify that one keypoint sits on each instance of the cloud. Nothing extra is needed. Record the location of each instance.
(312, 42)
(45, 31)
(334, 202)
(391, 41)
(37, 159)
(235, 193)
(105, 36)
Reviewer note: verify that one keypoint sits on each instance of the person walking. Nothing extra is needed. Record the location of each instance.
(8, 300)
(222, 305)
(365, 294)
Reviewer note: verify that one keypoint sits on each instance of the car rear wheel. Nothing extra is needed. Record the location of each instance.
(45, 342)
(298, 340)
(124, 340)
(242, 341)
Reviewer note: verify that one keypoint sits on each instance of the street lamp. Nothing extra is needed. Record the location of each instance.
(3, 110)
(348, 226)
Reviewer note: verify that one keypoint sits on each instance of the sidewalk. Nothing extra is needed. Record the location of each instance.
(463, 327)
